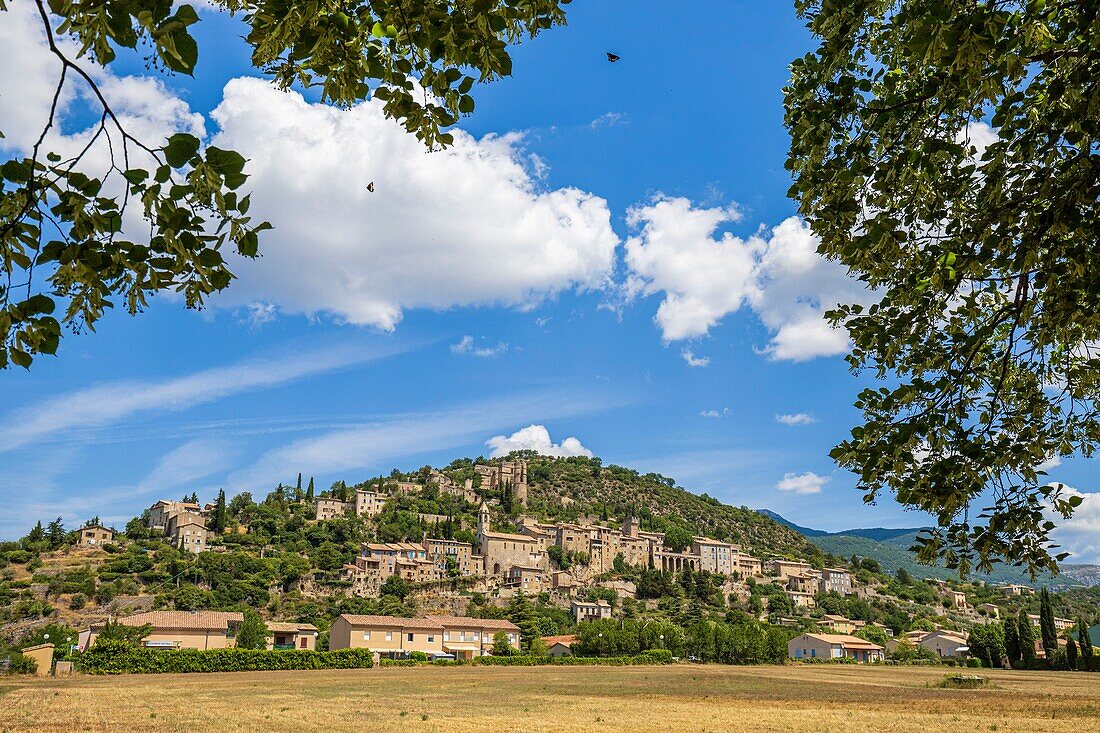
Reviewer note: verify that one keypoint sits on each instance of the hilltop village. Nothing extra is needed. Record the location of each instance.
(521, 552)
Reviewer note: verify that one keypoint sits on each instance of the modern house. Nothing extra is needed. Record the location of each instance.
(177, 629)
(291, 635)
(460, 637)
(945, 643)
(834, 646)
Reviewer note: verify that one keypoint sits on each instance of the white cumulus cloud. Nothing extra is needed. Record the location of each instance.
(798, 418)
(802, 483)
(704, 276)
(465, 226)
(536, 438)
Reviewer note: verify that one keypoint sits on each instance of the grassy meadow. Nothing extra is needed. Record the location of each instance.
(719, 699)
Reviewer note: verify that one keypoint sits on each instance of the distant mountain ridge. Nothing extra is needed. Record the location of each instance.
(890, 548)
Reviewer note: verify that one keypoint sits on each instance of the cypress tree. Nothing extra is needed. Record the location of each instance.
(1047, 631)
(309, 491)
(1012, 641)
(1027, 638)
(298, 486)
(1085, 641)
(219, 520)
(1071, 651)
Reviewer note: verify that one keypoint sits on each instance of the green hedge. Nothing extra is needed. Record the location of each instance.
(127, 659)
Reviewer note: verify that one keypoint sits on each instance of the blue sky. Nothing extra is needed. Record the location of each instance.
(609, 253)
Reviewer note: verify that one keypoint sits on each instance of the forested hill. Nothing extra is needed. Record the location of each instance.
(890, 548)
(566, 488)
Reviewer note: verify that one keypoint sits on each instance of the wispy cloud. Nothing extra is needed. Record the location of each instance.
(194, 460)
(257, 315)
(608, 119)
(376, 443)
(109, 403)
(715, 413)
(466, 346)
(798, 418)
(694, 361)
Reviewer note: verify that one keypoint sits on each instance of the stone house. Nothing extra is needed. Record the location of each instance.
(96, 535)
(187, 531)
(835, 580)
(590, 610)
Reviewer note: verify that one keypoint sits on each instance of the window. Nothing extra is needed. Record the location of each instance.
(412, 637)
(389, 636)
(366, 636)
(431, 639)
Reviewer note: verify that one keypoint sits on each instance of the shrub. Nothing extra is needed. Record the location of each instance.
(123, 658)
(417, 656)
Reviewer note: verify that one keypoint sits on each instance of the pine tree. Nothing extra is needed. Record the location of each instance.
(36, 535)
(1071, 651)
(1047, 630)
(1012, 641)
(55, 533)
(1027, 638)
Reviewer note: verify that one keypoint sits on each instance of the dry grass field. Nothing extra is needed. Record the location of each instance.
(559, 699)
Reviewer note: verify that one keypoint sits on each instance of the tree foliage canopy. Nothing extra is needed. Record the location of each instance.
(164, 213)
(945, 151)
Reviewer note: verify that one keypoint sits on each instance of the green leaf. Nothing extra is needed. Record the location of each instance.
(180, 149)
(37, 304)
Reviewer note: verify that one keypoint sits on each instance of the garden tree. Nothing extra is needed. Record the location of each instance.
(501, 646)
(1071, 651)
(944, 152)
(219, 518)
(987, 643)
(1012, 641)
(1027, 637)
(873, 634)
(114, 632)
(522, 614)
(62, 241)
(309, 491)
(1047, 631)
(298, 487)
(538, 648)
(252, 633)
(395, 586)
(1084, 640)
